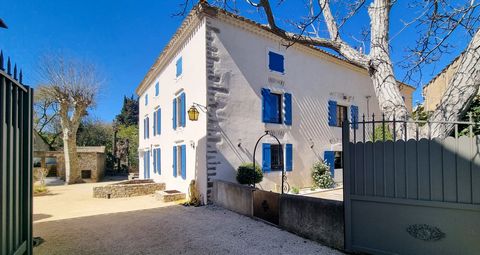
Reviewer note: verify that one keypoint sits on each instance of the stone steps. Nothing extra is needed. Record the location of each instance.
(169, 195)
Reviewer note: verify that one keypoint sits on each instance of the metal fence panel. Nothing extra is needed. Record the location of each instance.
(16, 102)
(420, 196)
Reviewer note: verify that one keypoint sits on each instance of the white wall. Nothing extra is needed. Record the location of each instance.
(312, 80)
(193, 83)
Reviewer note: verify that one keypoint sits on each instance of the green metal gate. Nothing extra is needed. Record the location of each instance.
(16, 162)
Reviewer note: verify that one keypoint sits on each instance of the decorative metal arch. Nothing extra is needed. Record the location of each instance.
(267, 133)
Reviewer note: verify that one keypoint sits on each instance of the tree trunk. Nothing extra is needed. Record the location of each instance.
(72, 172)
(460, 92)
(380, 66)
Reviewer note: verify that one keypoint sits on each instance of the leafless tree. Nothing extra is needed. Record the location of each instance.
(436, 22)
(71, 85)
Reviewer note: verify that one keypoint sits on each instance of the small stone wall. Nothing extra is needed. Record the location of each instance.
(128, 189)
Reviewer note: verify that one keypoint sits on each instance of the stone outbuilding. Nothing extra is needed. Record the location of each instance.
(91, 160)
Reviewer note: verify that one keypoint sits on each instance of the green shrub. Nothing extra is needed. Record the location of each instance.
(318, 169)
(326, 181)
(295, 190)
(321, 175)
(246, 174)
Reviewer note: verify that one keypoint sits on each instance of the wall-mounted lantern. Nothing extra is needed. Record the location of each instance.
(193, 113)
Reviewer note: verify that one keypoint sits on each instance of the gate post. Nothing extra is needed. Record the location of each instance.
(346, 184)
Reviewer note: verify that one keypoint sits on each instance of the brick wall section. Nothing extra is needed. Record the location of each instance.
(216, 101)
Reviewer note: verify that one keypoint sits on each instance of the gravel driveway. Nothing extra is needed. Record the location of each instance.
(170, 230)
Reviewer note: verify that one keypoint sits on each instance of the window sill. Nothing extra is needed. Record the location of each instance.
(277, 126)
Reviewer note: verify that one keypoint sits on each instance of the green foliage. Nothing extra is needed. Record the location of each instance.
(318, 169)
(321, 175)
(474, 111)
(420, 114)
(379, 133)
(129, 114)
(326, 181)
(95, 133)
(246, 174)
(130, 133)
(295, 190)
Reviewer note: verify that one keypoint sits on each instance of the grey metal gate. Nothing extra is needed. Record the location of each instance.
(16, 162)
(420, 196)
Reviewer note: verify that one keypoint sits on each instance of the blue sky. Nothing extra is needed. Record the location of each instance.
(123, 38)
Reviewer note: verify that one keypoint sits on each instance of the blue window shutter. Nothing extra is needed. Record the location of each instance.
(159, 161)
(332, 113)
(354, 116)
(145, 165)
(159, 121)
(184, 161)
(154, 123)
(276, 62)
(146, 99)
(179, 66)
(289, 157)
(288, 108)
(174, 117)
(182, 110)
(174, 161)
(147, 168)
(266, 158)
(155, 160)
(157, 89)
(148, 127)
(266, 106)
(329, 158)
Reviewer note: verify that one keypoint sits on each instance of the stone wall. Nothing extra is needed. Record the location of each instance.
(314, 218)
(317, 219)
(127, 189)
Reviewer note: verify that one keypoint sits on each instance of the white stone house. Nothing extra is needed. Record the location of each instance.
(249, 83)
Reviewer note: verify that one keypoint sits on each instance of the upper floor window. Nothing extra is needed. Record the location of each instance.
(157, 122)
(157, 89)
(276, 107)
(146, 99)
(342, 115)
(276, 62)
(179, 111)
(179, 67)
(146, 129)
(337, 114)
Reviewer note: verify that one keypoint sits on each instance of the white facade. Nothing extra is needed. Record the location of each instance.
(225, 67)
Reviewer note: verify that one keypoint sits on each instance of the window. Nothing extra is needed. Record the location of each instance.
(276, 157)
(146, 128)
(179, 111)
(157, 161)
(180, 161)
(342, 115)
(273, 157)
(157, 124)
(146, 165)
(338, 160)
(179, 67)
(146, 99)
(276, 62)
(157, 89)
(274, 105)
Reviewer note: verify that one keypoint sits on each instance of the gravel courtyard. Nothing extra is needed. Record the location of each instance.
(170, 230)
(72, 222)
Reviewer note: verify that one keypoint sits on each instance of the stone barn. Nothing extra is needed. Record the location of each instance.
(91, 163)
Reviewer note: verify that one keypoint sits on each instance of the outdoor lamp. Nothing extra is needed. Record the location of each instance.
(193, 113)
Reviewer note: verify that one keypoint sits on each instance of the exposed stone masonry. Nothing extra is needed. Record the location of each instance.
(217, 94)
